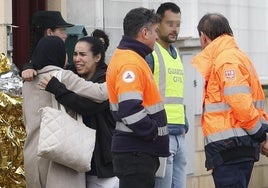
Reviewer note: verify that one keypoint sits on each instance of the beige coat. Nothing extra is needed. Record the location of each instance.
(40, 172)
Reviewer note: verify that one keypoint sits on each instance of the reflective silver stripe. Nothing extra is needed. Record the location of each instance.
(259, 104)
(255, 128)
(162, 131)
(154, 108)
(237, 132)
(215, 107)
(263, 121)
(173, 100)
(162, 72)
(122, 127)
(236, 90)
(114, 106)
(130, 95)
(134, 117)
(149, 109)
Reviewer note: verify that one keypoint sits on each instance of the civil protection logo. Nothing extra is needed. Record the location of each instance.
(128, 76)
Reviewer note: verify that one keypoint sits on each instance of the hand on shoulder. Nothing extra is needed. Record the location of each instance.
(28, 74)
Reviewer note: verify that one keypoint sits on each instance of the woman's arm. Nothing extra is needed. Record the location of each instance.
(96, 92)
(79, 104)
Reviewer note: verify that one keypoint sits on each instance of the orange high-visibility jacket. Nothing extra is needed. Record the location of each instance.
(233, 119)
(136, 104)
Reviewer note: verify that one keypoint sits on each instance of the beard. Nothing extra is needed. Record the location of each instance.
(169, 38)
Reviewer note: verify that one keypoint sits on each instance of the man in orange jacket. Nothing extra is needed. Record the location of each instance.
(233, 119)
(141, 133)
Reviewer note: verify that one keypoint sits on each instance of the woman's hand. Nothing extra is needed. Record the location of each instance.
(44, 81)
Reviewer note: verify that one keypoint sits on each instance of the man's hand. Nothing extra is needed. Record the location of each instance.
(28, 74)
(264, 147)
(44, 81)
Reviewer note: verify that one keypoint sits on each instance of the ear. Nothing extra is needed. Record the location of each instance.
(97, 58)
(204, 38)
(48, 32)
(144, 33)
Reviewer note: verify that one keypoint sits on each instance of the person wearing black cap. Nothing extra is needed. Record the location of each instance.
(44, 23)
(49, 23)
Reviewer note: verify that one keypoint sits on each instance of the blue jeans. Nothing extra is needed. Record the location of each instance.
(175, 176)
(235, 175)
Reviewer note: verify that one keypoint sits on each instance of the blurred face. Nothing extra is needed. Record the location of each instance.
(151, 35)
(169, 27)
(60, 32)
(84, 60)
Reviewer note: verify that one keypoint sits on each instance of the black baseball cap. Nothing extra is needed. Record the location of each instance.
(49, 19)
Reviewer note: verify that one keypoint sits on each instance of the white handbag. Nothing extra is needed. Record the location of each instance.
(64, 139)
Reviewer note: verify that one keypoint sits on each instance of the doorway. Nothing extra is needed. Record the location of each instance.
(22, 12)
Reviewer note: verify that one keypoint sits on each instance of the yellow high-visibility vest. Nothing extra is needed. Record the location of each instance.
(169, 76)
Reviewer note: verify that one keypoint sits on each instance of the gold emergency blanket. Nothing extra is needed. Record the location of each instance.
(5, 64)
(12, 132)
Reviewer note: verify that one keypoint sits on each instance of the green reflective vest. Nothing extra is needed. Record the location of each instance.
(169, 76)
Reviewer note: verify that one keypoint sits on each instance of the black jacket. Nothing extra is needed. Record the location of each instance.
(96, 116)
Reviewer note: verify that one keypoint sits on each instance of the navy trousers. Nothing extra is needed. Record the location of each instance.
(135, 169)
(234, 175)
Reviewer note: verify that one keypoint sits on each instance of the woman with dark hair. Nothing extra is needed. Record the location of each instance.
(88, 58)
(49, 58)
(102, 36)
